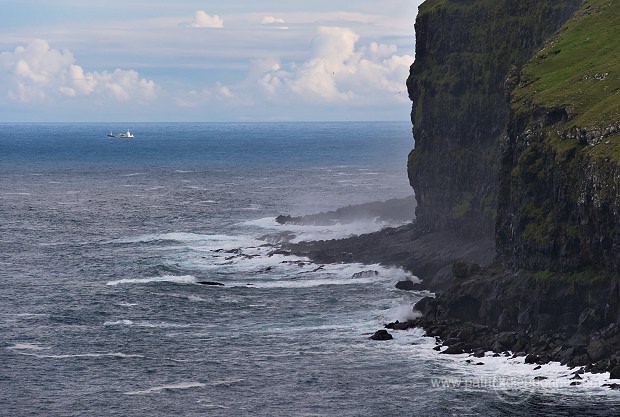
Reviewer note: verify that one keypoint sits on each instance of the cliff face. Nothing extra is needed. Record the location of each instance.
(465, 50)
(556, 293)
(559, 198)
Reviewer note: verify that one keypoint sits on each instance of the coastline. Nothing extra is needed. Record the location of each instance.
(482, 308)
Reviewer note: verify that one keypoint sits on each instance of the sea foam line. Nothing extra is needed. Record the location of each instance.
(179, 386)
(184, 279)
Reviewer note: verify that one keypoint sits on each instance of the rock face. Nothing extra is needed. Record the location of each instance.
(464, 53)
(539, 129)
(559, 200)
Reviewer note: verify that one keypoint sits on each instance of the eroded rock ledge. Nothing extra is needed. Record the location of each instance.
(569, 319)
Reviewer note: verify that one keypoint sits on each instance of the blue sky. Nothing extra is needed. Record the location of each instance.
(186, 60)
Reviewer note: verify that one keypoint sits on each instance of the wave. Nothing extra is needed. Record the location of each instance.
(118, 323)
(306, 283)
(197, 241)
(84, 355)
(309, 232)
(179, 386)
(26, 346)
(185, 279)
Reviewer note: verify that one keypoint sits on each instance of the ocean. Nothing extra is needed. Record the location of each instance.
(104, 244)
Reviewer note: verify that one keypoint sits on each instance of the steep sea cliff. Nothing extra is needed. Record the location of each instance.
(552, 293)
(465, 50)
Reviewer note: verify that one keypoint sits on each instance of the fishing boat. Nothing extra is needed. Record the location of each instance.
(127, 135)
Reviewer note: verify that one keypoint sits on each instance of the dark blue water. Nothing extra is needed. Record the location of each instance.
(104, 243)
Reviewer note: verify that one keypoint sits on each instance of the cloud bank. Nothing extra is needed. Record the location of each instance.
(37, 72)
(339, 70)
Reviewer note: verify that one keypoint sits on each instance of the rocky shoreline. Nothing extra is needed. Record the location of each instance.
(557, 318)
(482, 307)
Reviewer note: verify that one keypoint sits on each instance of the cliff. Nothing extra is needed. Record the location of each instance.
(559, 201)
(553, 144)
(464, 53)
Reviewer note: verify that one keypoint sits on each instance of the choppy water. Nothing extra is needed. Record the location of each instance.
(103, 244)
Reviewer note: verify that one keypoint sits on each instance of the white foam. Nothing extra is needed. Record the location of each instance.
(135, 174)
(510, 378)
(26, 346)
(23, 194)
(321, 232)
(179, 386)
(306, 283)
(83, 355)
(118, 323)
(185, 279)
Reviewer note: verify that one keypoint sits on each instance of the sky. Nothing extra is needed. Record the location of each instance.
(209, 60)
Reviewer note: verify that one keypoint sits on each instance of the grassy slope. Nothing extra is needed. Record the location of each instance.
(564, 74)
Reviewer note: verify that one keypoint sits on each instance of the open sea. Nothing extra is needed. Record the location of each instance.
(104, 243)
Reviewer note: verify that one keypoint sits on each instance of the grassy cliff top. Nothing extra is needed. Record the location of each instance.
(579, 69)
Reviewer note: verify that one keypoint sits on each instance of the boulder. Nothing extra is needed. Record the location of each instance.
(381, 335)
(365, 274)
(456, 349)
(405, 285)
(597, 349)
(615, 373)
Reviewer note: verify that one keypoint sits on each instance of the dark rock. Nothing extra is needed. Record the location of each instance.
(437, 348)
(406, 285)
(398, 325)
(538, 367)
(590, 320)
(381, 335)
(462, 269)
(532, 359)
(575, 383)
(479, 354)
(456, 349)
(615, 373)
(597, 349)
(286, 219)
(540, 378)
(365, 274)
(211, 283)
(466, 333)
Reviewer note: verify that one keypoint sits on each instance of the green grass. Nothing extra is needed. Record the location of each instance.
(563, 74)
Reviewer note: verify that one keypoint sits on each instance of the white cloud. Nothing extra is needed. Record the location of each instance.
(204, 20)
(270, 20)
(38, 73)
(340, 71)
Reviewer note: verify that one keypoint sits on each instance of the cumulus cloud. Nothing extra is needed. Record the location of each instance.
(204, 20)
(340, 71)
(270, 20)
(37, 72)
(274, 22)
